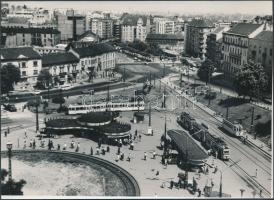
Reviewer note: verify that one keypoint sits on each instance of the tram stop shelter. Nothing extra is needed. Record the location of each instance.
(188, 148)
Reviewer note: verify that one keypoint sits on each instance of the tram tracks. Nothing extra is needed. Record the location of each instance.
(247, 178)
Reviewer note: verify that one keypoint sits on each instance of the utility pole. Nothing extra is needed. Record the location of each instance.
(37, 118)
(187, 159)
(227, 113)
(149, 119)
(252, 122)
(150, 78)
(221, 185)
(165, 138)
(181, 79)
(124, 75)
(154, 79)
(164, 98)
(209, 95)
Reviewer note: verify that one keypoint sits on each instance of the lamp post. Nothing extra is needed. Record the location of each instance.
(242, 192)
(9, 147)
(37, 119)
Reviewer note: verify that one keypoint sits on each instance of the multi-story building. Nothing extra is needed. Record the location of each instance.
(260, 50)
(18, 36)
(170, 41)
(235, 47)
(99, 58)
(102, 27)
(214, 46)
(70, 25)
(27, 60)
(196, 33)
(134, 27)
(165, 27)
(117, 29)
(48, 49)
(62, 67)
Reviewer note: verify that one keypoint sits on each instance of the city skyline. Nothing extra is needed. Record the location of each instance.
(165, 7)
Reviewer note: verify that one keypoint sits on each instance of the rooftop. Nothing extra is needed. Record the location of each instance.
(94, 50)
(201, 23)
(58, 58)
(19, 53)
(265, 35)
(131, 20)
(195, 151)
(244, 28)
(29, 30)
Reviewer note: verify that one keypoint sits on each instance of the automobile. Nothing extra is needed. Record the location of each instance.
(65, 87)
(86, 91)
(10, 107)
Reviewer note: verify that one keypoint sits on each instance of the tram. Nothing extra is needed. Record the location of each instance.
(106, 106)
(234, 128)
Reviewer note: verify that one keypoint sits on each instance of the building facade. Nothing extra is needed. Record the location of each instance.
(71, 25)
(102, 27)
(62, 67)
(27, 60)
(99, 58)
(235, 47)
(134, 27)
(18, 36)
(260, 50)
(165, 27)
(196, 33)
(214, 46)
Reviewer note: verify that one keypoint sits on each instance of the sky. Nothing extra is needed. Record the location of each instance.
(165, 7)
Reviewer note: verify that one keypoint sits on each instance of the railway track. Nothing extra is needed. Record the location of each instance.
(248, 178)
(131, 185)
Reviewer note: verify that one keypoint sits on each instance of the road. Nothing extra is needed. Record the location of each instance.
(251, 158)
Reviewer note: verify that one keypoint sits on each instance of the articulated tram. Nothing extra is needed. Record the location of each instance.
(110, 106)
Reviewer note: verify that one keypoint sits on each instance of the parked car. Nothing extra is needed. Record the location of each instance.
(10, 107)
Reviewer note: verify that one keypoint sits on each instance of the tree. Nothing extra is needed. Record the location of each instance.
(206, 70)
(11, 187)
(10, 74)
(251, 80)
(44, 79)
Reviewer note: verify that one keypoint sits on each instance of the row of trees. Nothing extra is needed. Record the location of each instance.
(251, 80)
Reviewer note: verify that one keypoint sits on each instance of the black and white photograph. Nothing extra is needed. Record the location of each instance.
(136, 99)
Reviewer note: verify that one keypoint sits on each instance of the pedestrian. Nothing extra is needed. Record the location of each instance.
(215, 170)
(128, 158)
(216, 154)
(152, 132)
(157, 173)
(140, 137)
(26, 133)
(65, 147)
(91, 151)
(199, 192)
(118, 151)
(154, 154)
(212, 183)
(135, 133)
(122, 156)
(25, 144)
(34, 145)
(97, 151)
(134, 138)
(130, 136)
(6, 133)
(108, 149)
(49, 145)
(206, 170)
(58, 147)
(171, 184)
(261, 191)
(30, 144)
(145, 156)
(103, 151)
(256, 173)
(118, 158)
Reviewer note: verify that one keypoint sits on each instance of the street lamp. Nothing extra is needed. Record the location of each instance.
(242, 192)
(9, 147)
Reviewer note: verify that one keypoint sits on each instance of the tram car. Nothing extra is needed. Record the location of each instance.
(201, 133)
(234, 128)
(110, 106)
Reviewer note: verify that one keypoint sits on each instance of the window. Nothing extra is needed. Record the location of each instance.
(24, 65)
(35, 72)
(35, 64)
(24, 73)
